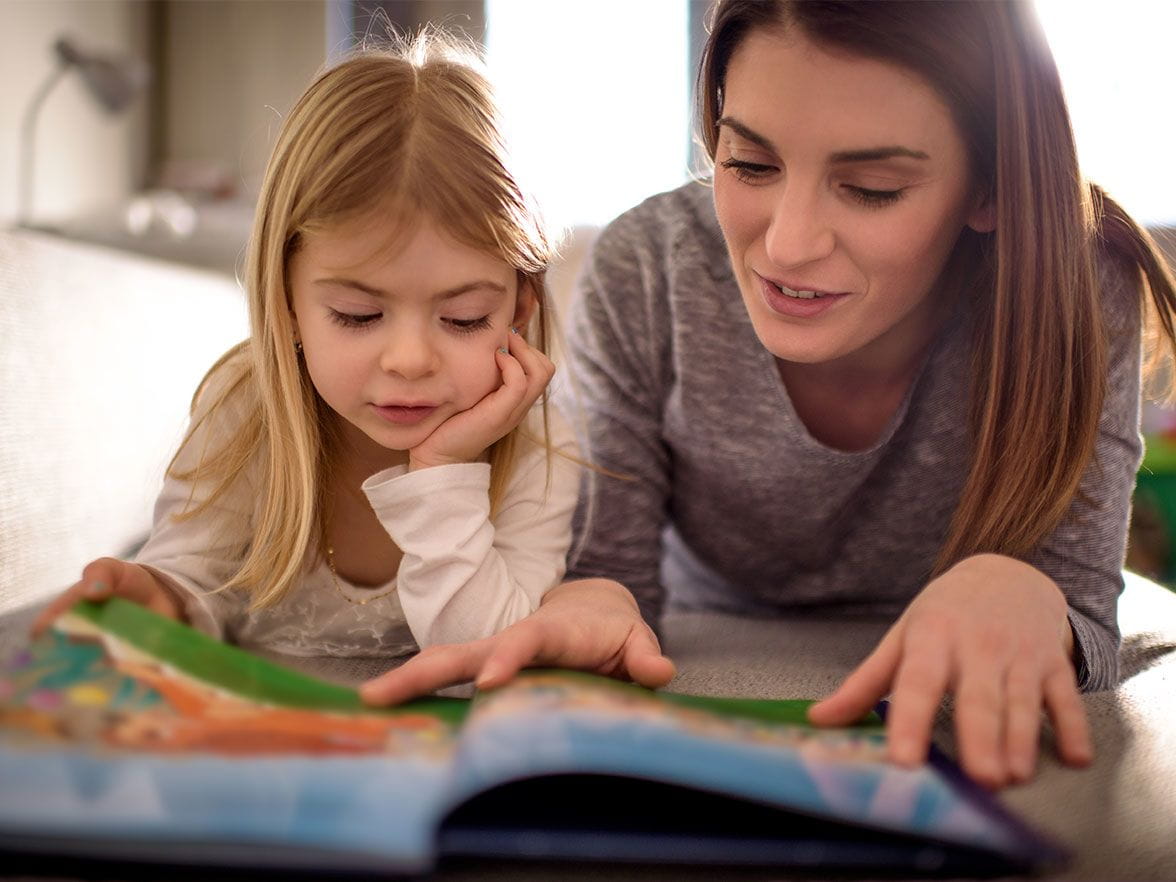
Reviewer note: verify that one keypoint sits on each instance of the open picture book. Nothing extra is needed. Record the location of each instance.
(125, 736)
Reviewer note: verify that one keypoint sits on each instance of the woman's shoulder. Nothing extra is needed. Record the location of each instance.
(661, 223)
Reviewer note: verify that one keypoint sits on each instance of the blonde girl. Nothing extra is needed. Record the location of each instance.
(366, 475)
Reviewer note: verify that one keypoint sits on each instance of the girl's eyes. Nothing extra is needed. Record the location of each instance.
(461, 326)
(349, 320)
(752, 172)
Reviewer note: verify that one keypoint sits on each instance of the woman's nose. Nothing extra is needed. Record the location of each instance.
(408, 352)
(798, 232)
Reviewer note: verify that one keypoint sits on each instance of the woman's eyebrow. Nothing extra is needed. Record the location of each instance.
(745, 132)
(874, 154)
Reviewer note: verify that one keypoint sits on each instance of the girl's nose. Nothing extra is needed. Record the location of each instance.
(798, 232)
(408, 352)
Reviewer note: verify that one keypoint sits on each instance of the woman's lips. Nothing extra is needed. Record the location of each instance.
(404, 414)
(796, 307)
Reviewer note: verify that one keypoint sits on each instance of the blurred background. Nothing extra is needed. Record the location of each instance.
(144, 125)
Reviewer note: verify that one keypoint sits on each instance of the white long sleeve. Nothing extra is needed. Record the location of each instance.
(464, 574)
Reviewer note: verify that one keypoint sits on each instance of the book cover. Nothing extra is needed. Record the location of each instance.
(125, 736)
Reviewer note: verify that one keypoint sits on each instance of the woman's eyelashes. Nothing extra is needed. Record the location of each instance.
(757, 172)
(748, 172)
(364, 320)
(874, 198)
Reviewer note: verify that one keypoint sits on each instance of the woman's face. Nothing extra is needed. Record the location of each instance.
(846, 177)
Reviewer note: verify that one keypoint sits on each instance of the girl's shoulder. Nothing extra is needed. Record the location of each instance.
(225, 407)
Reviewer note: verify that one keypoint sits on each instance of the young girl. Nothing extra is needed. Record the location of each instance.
(887, 364)
(365, 475)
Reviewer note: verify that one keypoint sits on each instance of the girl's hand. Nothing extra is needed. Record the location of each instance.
(465, 436)
(590, 625)
(994, 631)
(110, 577)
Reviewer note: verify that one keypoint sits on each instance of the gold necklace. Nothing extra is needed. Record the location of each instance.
(339, 588)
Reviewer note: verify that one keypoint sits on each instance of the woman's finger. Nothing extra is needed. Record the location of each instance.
(1022, 719)
(920, 683)
(861, 690)
(979, 721)
(1071, 729)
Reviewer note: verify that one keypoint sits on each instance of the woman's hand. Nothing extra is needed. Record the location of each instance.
(994, 631)
(590, 625)
(465, 436)
(110, 577)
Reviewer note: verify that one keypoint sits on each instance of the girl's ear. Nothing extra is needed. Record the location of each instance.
(983, 216)
(526, 302)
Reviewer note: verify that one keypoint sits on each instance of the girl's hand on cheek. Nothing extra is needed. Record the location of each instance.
(993, 631)
(465, 436)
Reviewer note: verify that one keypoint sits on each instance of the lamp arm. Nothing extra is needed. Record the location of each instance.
(27, 133)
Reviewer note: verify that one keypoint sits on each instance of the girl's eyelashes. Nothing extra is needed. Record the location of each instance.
(351, 320)
(874, 198)
(747, 171)
(469, 326)
(363, 320)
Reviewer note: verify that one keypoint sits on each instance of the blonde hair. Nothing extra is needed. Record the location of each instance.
(1039, 362)
(409, 131)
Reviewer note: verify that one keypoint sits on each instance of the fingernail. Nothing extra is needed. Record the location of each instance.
(504, 350)
(487, 677)
(96, 589)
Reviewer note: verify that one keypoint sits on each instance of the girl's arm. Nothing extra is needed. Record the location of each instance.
(466, 575)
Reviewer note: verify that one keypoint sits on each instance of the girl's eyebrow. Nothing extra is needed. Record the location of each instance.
(870, 154)
(447, 294)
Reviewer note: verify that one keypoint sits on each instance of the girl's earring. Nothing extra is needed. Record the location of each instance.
(298, 346)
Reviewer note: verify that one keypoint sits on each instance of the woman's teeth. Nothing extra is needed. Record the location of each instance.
(799, 295)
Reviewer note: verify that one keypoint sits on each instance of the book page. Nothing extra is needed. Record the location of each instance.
(561, 723)
(127, 730)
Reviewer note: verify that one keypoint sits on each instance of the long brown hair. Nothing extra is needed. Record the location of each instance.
(395, 134)
(1039, 360)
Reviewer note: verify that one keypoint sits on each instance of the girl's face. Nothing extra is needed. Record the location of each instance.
(843, 176)
(397, 341)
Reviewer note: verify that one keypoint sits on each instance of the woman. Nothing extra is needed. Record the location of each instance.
(889, 363)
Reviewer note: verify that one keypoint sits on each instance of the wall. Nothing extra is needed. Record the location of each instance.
(234, 68)
(84, 158)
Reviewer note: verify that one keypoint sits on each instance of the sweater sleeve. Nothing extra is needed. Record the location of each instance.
(196, 556)
(618, 364)
(466, 574)
(1085, 553)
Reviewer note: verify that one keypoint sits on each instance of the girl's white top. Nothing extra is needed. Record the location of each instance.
(464, 574)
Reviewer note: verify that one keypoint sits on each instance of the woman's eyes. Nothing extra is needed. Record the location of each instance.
(747, 171)
(874, 198)
(460, 326)
(752, 172)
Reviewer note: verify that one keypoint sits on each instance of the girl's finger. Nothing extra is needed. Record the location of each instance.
(515, 648)
(920, 683)
(59, 605)
(432, 669)
(1071, 729)
(1022, 719)
(979, 722)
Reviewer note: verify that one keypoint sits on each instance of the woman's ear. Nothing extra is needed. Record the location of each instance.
(525, 303)
(983, 216)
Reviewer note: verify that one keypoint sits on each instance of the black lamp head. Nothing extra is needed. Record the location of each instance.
(114, 82)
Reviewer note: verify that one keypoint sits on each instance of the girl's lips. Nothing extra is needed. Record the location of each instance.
(795, 307)
(404, 415)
